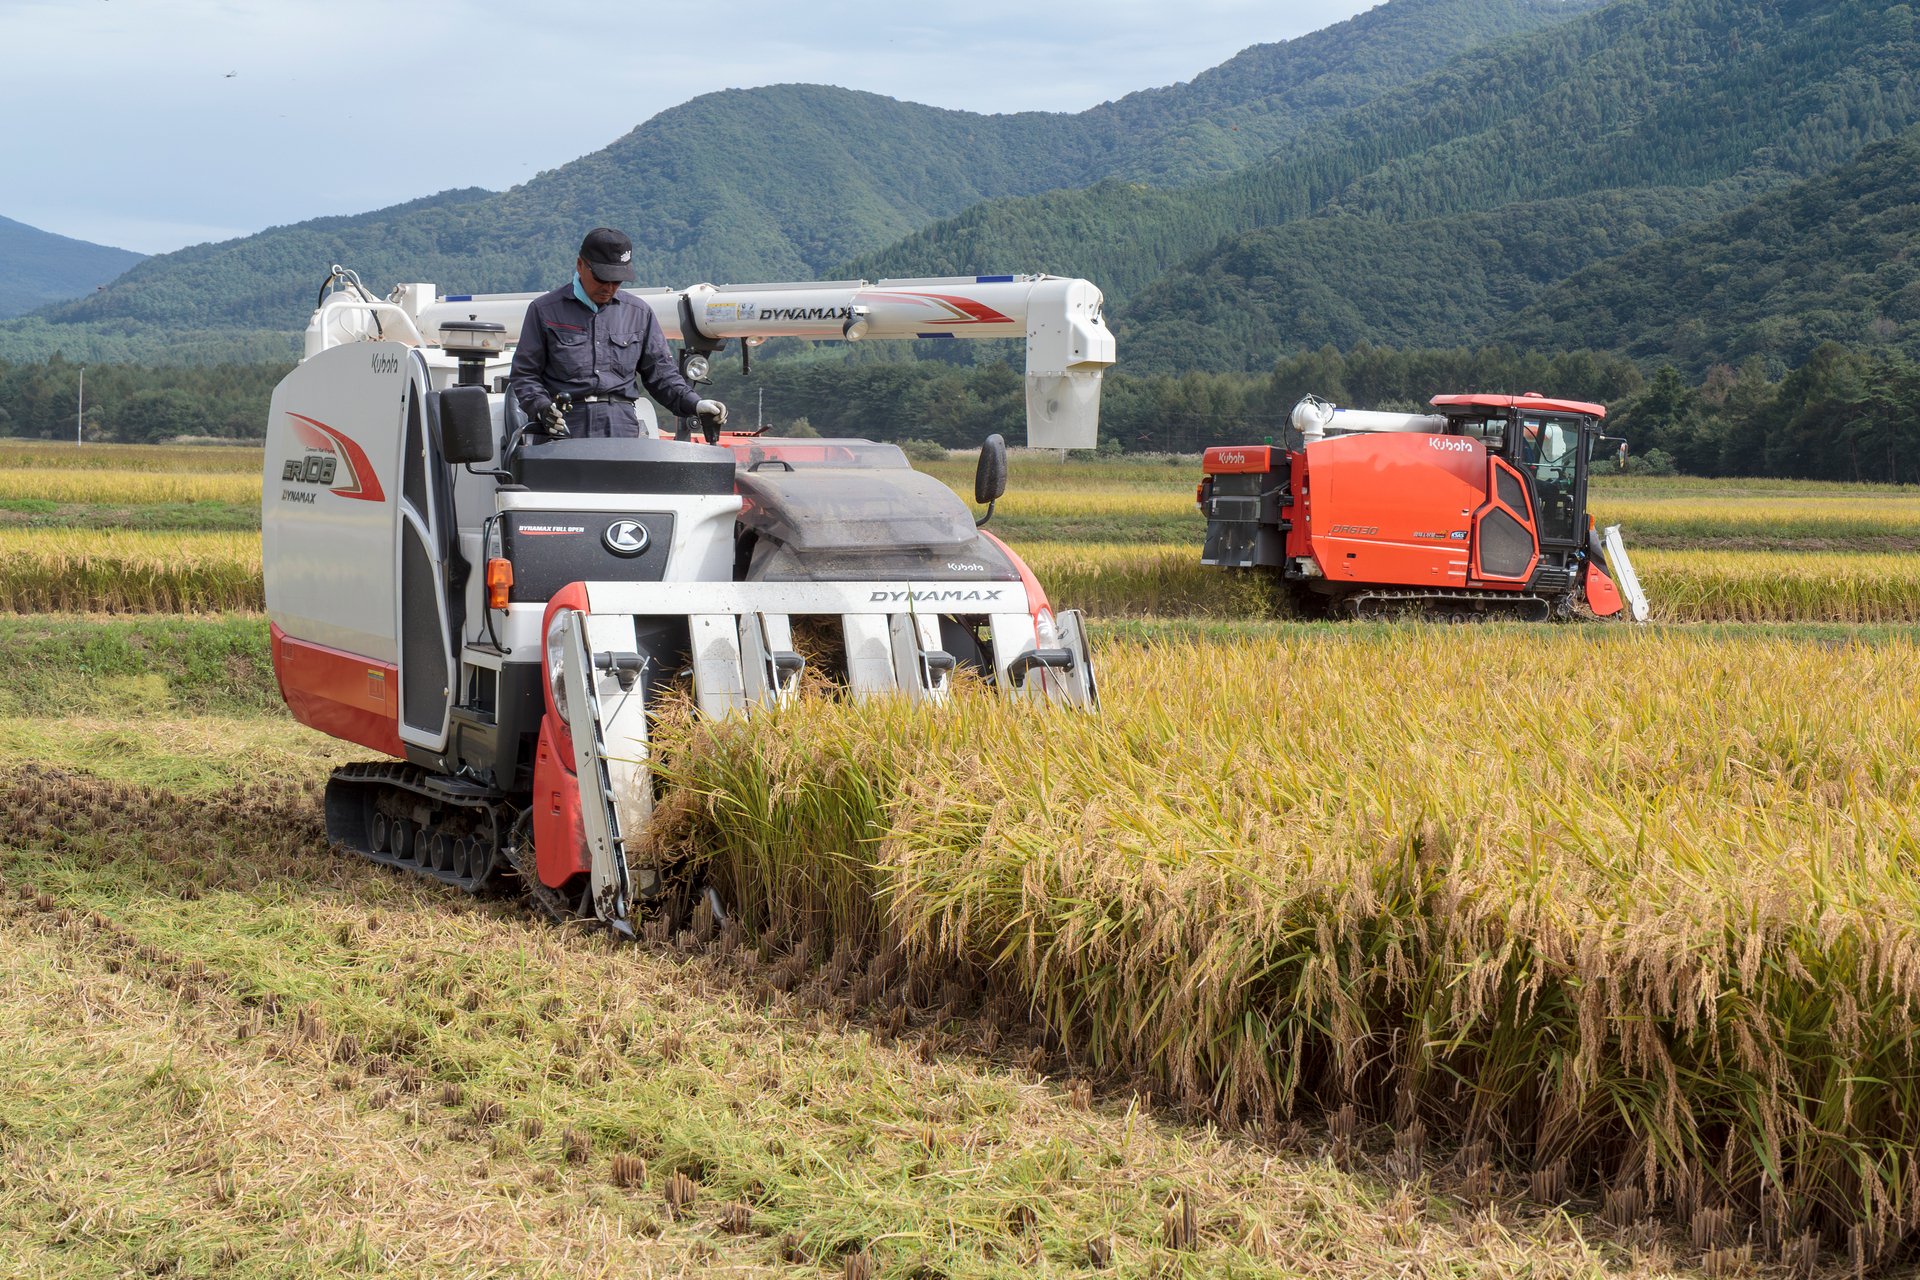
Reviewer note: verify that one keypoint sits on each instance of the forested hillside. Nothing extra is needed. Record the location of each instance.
(38, 267)
(1836, 258)
(783, 182)
(1436, 282)
(1641, 94)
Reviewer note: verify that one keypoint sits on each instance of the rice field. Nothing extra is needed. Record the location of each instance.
(227, 1051)
(1124, 580)
(126, 488)
(118, 571)
(59, 455)
(1624, 912)
(1141, 502)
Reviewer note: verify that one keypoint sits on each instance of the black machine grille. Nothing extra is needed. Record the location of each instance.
(1552, 577)
(1512, 493)
(1505, 545)
(415, 475)
(423, 651)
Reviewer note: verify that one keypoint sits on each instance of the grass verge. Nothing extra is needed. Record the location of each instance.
(125, 667)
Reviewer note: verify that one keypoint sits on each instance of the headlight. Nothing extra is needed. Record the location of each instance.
(696, 369)
(557, 663)
(1046, 635)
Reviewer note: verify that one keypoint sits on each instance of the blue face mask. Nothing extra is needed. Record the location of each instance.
(581, 294)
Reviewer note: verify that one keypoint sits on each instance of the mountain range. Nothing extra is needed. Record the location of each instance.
(38, 267)
(787, 182)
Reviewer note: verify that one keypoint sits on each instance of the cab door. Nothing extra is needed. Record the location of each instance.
(423, 538)
(1506, 544)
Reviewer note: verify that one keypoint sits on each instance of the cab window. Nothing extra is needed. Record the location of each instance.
(1550, 449)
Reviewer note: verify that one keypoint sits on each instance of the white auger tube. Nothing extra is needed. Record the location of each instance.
(1069, 346)
(1314, 419)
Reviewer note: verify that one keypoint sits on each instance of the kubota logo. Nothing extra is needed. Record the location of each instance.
(341, 464)
(1450, 444)
(1233, 457)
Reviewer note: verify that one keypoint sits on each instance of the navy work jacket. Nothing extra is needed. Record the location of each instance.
(568, 348)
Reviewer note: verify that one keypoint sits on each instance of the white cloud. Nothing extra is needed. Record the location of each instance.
(154, 126)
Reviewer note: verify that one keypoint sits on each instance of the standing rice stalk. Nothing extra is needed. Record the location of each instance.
(122, 572)
(1642, 909)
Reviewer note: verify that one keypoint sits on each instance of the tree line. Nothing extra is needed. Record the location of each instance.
(1842, 415)
(136, 404)
(959, 405)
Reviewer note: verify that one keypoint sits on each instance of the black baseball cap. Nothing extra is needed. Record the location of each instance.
(609, 253)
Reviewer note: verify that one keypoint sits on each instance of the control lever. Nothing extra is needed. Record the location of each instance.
(1052, 659)
(626, 667)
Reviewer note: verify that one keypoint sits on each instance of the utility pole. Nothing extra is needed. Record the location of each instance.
(80, 408)
(760, 415)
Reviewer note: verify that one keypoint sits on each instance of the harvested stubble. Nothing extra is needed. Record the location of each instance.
(166, 1075)
(127, 488)
(1644, 905)
(117, 572)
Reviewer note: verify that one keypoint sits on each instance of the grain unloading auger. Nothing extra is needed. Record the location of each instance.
(499, 618)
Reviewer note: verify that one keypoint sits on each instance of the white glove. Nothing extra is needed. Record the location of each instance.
(712, 409)
(552, 421)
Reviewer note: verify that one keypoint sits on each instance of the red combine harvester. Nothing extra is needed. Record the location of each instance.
(1473, 512)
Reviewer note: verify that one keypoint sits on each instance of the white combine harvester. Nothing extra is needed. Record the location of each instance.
(498, 617)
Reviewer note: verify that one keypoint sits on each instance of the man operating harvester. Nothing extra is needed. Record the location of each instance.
(588, 344)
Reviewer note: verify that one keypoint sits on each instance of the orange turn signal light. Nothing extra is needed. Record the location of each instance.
(499, 579)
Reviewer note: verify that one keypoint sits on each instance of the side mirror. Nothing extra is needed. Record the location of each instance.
(990, 478)
(466, 425)
(1605, 445)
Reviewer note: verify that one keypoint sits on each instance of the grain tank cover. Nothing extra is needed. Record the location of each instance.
(629, 466)
(846, 495)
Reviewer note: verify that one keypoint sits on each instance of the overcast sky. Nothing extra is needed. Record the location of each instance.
(153, 125)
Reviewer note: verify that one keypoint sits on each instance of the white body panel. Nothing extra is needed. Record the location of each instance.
(333, 577)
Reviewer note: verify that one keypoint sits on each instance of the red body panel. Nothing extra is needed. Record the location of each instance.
(1524, 516)
(1232, 459)
(1537, 403)
(1602, 596)
(1036, 596)
(1389, 508)
(341, 694)
(559, 839)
